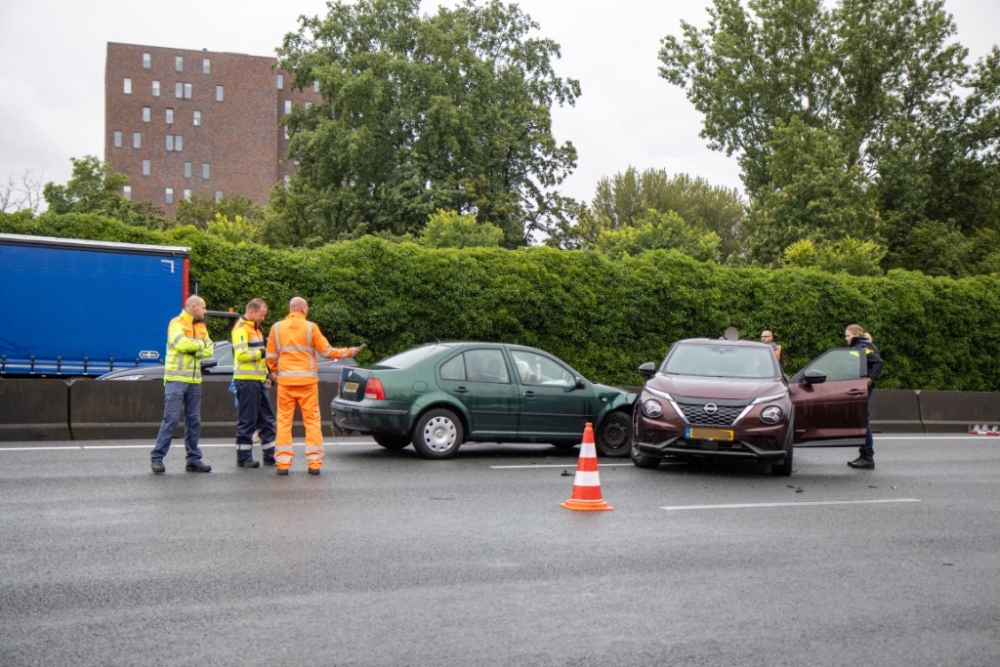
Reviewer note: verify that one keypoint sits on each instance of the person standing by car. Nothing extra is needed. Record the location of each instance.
(187, 344)
(292, 352)
(767, 338)
(250, 375)
(857, 338)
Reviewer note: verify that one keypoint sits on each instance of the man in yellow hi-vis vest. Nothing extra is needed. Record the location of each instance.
(251, 379)
(187, 344)
(293, 349)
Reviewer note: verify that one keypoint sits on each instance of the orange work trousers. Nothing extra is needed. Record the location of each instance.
(307, 398)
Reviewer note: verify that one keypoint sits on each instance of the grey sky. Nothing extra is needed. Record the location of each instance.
(52, 81)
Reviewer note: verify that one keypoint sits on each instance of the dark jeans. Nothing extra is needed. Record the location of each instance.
(869, 448)
(178, 395)
(254, 413)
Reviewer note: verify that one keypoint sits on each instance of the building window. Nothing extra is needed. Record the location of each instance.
(147, 61)
(170, 116)
(145, 167)
(179, 90)
(178, 143)
(309, 105)
(286, 133)
(118, 139)
(206, 66)
(127, 192)
(288, 107)
(128, 86)
(146, 115)
(136, 140)
(315, 86)
(218, 93)
(197, 118)
(206, 171)
(188, 90)
(281, 82)
(156, 89)
(187, 195)
(288, 180)
(218, 196)
(187, 170)
(169, 195)
(179, 63)
(170, 142)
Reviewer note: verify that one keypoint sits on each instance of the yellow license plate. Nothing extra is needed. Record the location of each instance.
(352, 387)
(709, 434)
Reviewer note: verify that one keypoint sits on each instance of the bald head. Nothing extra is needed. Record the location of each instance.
(195, 307)
(298, 305)
(766, 336)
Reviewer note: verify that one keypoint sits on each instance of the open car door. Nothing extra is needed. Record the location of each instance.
(830, 396)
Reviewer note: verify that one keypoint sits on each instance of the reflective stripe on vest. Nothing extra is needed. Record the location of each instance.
(307, 348)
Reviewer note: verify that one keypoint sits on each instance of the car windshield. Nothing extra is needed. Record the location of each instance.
(223, 354)
(722, 361)
(410, 357)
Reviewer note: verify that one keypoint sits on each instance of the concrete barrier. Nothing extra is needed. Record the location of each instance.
(896, 411)
(954, 411)
(34, 409)
(327, 390)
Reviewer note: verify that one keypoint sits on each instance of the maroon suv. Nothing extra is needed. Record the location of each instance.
(729, 399)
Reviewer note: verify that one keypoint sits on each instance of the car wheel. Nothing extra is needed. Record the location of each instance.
(614, 437)
(784, 469)
(391, 441)
(643, 460)
(438, 434)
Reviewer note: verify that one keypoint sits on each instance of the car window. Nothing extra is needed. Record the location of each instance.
(410, 357)
(726, 361)
(223, 355)
(486, 366)
(453, 369)
(839, 364)
(536, 369)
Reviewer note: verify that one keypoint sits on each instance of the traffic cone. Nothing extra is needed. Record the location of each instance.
(587, 483)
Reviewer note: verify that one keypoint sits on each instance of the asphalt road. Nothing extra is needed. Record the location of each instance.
(387, 559)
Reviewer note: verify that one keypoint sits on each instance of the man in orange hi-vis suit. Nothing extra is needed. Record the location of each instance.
(293, 349)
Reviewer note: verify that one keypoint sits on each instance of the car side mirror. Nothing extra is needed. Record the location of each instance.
(579, 383)
(813, 376)
(208, 363)
(647, 370)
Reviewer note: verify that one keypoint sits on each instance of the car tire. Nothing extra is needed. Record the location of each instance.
(643, 460)
(614, 436)
(438, 434)
(784, 469)
(390, 440)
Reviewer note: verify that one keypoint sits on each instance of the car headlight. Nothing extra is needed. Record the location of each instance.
(771, 414)
(652, 408)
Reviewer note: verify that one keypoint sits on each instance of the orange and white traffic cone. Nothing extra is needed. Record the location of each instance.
(587, 483)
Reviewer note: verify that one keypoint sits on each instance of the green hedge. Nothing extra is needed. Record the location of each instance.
(603, 317)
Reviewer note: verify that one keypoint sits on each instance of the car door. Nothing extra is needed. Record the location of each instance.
(553, 409)
(832, 413)
(222, 371)
(480, 380)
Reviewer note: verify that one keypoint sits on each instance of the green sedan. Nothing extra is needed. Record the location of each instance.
(440, 395)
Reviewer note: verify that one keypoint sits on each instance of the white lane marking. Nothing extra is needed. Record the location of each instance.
(31, 449)
(967, 436)
(554, 465)
(792, 504)
(176, 443)
(123, 446)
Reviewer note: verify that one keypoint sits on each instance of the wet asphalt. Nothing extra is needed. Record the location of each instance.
(386, 559)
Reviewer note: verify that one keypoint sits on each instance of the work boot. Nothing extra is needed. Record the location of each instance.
(158, 467)
(313, 471)
(249, 463)
(270, 462)
(282, 471)
(863, 462)
(198, 466)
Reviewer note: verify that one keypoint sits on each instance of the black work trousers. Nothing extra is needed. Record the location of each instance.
(254, 414)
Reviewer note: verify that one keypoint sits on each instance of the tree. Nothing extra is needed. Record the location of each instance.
(658, 231)
(238, 230)
(201, 211)
(22, 191)
(851, 256)
(449, 229)
(424, 112)
(95, 188)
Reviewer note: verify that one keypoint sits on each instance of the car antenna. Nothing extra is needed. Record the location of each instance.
(428, 332)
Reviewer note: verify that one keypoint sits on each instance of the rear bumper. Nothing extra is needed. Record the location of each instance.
(352, 416)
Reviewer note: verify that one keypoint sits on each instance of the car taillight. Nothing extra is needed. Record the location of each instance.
(373, 389)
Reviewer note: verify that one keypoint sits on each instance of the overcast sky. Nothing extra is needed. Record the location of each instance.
(52, 81)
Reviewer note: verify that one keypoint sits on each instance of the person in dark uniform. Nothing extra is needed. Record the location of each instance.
(857, 338)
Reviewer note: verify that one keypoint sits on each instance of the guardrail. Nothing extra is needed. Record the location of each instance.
(44, 409)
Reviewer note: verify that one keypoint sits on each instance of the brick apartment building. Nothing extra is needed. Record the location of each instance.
(184, 123)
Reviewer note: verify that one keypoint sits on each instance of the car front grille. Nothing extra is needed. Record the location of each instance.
(724, 416)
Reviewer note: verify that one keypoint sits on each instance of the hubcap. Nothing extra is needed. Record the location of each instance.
(440, 434)
(615, 437)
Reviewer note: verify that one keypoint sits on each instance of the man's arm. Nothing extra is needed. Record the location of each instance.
(272, 351)
(241, 346)
(182, 343)
(323, 347)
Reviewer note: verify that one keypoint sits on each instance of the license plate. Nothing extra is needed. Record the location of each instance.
(350, 387)
(709, 434)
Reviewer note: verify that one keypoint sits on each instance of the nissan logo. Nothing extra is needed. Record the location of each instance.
(710, 408)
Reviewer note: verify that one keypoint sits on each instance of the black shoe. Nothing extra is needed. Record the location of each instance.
(198, 467)
(270, 462)
(313, 471)
(863, 463)
(249, 463)
(158, 467)
(282, 471)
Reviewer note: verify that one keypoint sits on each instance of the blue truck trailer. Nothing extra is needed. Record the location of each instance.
(74, 307)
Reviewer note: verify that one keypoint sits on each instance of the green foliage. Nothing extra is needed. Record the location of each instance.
(422, 112)
(238, 230)
(200, 211)
(849, 255)
(449, 229)
(95, 188)
(658, 231)
(602, 316)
